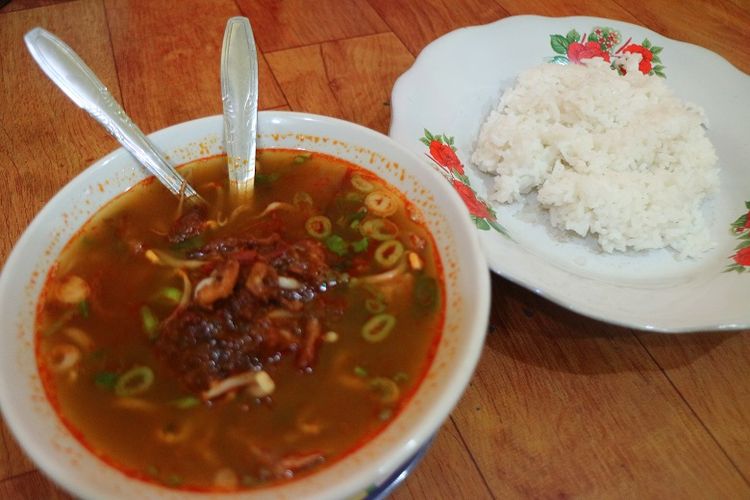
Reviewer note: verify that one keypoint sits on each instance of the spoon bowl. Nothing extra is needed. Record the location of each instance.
(239, 93)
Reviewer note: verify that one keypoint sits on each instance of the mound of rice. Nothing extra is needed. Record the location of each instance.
(618, 157)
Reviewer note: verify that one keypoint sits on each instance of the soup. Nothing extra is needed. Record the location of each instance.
(216, 348)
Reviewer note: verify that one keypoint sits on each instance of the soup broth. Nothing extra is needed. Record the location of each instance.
(229, 348)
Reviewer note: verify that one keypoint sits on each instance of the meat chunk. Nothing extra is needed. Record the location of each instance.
(219, 284)
(312, 338)
(192, 223)
(263, 281)
(262, 301)
(297, 462)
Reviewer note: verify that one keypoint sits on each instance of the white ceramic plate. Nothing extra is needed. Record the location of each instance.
(457, 79)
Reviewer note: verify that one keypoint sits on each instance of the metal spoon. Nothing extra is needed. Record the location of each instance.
(239, 93)
(68, 71)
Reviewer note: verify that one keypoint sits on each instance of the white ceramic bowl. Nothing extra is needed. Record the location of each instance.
(43, 436)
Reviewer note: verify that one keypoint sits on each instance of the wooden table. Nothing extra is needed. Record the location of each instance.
(561, 405)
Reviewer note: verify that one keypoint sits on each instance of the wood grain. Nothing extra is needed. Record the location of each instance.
(348, 79)
(31, 486)
(51, 133)
(709, 370)
(418, 23)
(301, 74)
(13, 5)
(171, 74)
(45, 139)
(720, 25)
(13, 461)
(591, 8)
(559, 404)
(449, 464)
(284, 24)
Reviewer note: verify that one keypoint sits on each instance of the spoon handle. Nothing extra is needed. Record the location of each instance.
(239, 93)
(68, 71)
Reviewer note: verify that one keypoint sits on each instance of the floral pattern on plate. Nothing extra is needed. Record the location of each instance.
(741, 228)
(443, 153)
(603, 42)
(638, 291)
(571, 48)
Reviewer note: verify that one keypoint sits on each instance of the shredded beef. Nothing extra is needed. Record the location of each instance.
(192, 223)
(259, 322)
(219, 285)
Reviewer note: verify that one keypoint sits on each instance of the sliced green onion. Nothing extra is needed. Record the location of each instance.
(354, 196)
(353, 220)
(400, 377)
(362, 184)
(318, 226)
(302, 158)
(360, 245)
(374, 306)
(386, 389)
(84, 309)
(105, 380)
(135, 381)
(150, 322)
(336, 244)
(377, 328)
(267, 178)
(173, 480)
(170, 293)
(189, 244)
(379, 229)
(425, 291)
(381, 203)
(360, 372)
(302, 198)
(186, 402)
(389, 253)
(97, 356)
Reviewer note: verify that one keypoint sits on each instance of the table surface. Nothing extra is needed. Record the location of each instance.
(560, 405)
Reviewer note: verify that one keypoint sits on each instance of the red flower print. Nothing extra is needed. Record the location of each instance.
(476, 207)
(742, 257)
(646, 56)
(747, 222)
(445, 157)
(744, 227)
(578, 51)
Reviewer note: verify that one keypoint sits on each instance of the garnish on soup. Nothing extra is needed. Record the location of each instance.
(224, 348)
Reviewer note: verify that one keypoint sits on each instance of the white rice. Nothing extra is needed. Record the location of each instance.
(618, 157)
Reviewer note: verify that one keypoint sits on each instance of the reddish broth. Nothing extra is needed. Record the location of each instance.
(344, 325)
